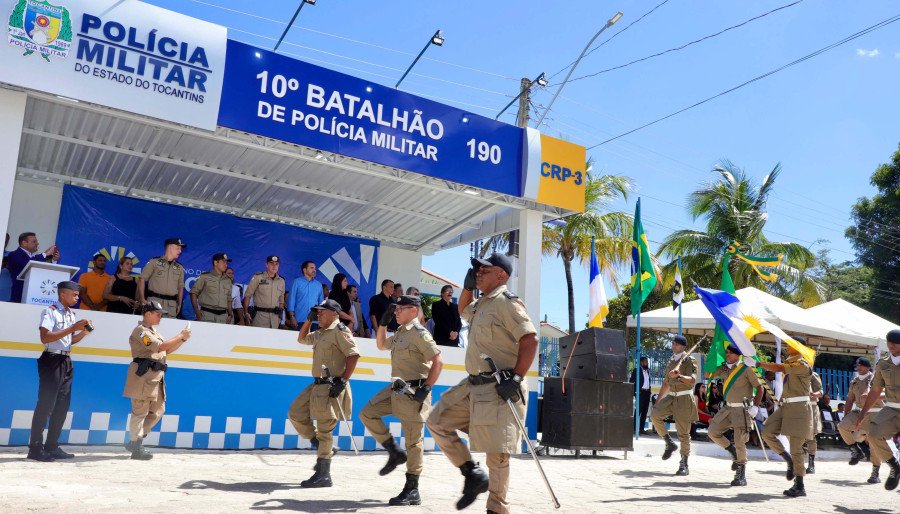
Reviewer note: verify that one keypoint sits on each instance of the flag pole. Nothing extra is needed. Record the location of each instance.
(638, 376)
(679, 305)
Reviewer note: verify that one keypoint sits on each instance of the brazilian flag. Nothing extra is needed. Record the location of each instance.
(643, 276)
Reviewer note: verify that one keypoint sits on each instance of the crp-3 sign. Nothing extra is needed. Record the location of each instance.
(127, 55)
(294, 101)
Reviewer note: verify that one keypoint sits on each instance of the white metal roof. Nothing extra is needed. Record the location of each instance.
(855, 320)
(248, 175)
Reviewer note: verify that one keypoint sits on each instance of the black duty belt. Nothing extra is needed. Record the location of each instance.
(145, 365)
(270, 310)
(419, 382)
(482, 378)
(154, 294)
(217, 312)
(322, 381)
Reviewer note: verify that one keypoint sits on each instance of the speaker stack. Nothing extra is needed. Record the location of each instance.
(597, 409)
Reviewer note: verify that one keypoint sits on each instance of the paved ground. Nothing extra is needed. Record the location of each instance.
(103, 479)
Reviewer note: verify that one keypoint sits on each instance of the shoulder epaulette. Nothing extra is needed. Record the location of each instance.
(259, 273)
(206, 273)
(177, 264)
(53, 307)
(510, 295)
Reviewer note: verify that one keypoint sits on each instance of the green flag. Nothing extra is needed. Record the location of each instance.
(716, 355)
(643, 276)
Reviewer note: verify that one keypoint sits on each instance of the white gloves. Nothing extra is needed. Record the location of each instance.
(748, 361)
(753, 410)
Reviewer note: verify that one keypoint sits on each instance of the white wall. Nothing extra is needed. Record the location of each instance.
(12, 115)
(35, 208)
(399, 265)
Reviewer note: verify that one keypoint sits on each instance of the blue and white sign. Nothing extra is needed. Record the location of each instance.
(123, 54)
(294, 101)
(92, 222)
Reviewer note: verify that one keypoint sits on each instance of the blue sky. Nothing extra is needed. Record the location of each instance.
(829, 121)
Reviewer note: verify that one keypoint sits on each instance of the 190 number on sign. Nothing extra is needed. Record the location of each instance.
(484, 152)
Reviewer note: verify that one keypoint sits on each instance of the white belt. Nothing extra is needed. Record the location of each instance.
(893, 405)
(738, 405)
(56, 352)
(682, 393)
(795, 399)
(876, 409)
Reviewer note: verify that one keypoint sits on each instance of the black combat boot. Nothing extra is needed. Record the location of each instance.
(864, 446)
(811, 469)
(322, 476)
(796, 490)
(410, 493)
(856, 454)
(138, 452)
(36, 452)
(475, 484)
(683, 467)
(670, 447)
(396, 456)
(873, 478)
(733, 451)
(891, 483)
(739, 477)
(790, 465)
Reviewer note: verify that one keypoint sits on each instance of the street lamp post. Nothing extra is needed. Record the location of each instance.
(609, 24)
(541, 80)
(291, 23)
(437, 40)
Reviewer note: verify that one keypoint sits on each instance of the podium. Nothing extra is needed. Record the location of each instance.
(40, 281)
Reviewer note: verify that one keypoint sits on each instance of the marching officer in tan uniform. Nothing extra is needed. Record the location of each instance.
(792, 418)
(162, 279)
(676, 399)
(856, 398)
(329, 394)
(211, 294)
(815, 392)
(145, 383)
(499, 327)
(885, 423)
(267, 290)
(739, 383)
(416, 359)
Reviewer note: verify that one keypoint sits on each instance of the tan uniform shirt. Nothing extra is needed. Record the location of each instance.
(687, 368)
(887, 376)
(163, 277)
(145, 342)
(412, 349)
(266, 292)
(331, 347)
(815, 383)
(742, 386)
(497, 322)
(213, 290)
(860, 387)
(797, 378)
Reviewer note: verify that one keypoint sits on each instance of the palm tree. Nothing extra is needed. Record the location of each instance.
(612, 231)
(734, 210)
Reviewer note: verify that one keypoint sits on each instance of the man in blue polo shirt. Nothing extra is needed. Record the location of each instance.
(59, 331)
(306, 293)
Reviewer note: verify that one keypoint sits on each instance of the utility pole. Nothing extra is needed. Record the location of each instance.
(521, 121)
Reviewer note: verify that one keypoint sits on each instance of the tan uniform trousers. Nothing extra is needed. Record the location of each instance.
(146, 413)
(777, 424)
(454, 412)
(882, 426)
(314, 403)
(684, 411)
(851, 436)
(170, 307)
(266, 320)
(411, 415)
(737, 419)
(214, 318)
(812, 445)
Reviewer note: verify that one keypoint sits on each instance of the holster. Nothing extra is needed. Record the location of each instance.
(145, 365)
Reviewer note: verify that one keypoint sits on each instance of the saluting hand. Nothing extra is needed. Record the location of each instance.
(186, 334)
(388, 315)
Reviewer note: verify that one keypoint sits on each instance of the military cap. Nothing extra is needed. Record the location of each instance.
(175, 241)
(68, 284)
(496, 259)
(272, 258)
(893, 336)
(409, 300)
(221, 257)
(733, 349)
(799, 339)
(151, 306)
(329, 305)
(680, 340)
(864, 362)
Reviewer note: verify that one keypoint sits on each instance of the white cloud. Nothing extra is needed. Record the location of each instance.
(867, 53)
(897, 55)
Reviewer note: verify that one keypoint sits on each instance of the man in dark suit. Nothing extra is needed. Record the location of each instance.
(644, 384)
(19, 258)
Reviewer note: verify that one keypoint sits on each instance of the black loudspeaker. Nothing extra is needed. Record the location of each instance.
(588, 397)
(587, 431)
(597, 341)
(609, 368)
(599, 354)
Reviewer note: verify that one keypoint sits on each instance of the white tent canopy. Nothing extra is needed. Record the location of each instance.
(818, 329)
(855, 320)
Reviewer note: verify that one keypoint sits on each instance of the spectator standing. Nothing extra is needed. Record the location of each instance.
(447, 321)
(21, 256)
(398, 291)
(93, 283)
(121, 289)
(339, 294)
(5, 279)
(211, 294)
(237, 300)
(59, 331)
(702, 410)
(414, 291)
(361, 328)
(379, 303)
(306, 292)
(266, 289)
(162, 279)
(642, 377)
(715, 398)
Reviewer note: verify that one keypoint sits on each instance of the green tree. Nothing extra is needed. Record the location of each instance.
(620, 309)
(734, 210)
(875, 236)
(843, 280)
(611, 230)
